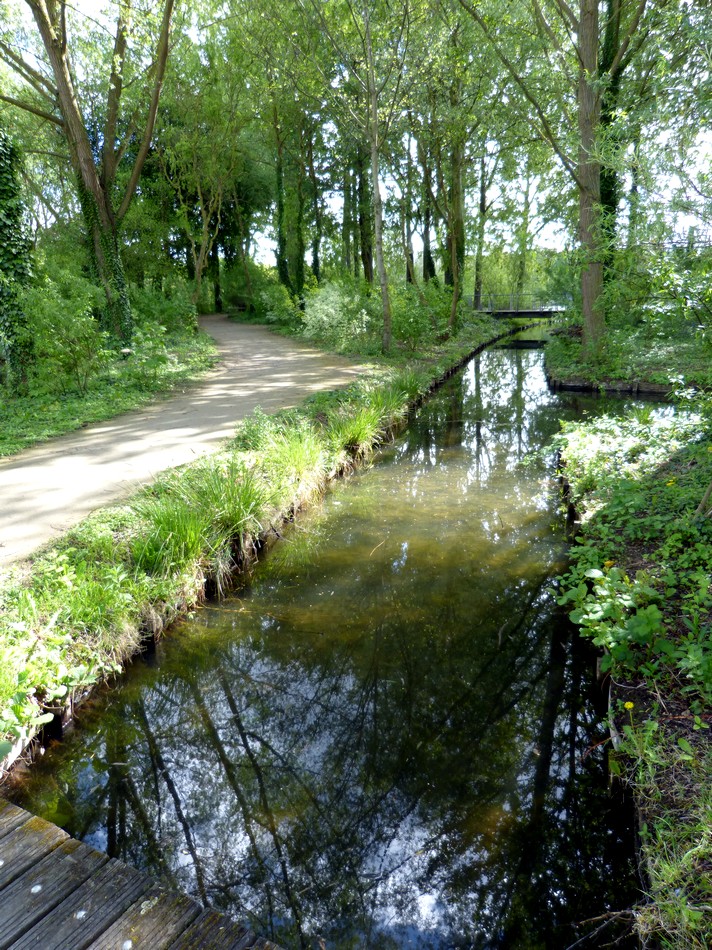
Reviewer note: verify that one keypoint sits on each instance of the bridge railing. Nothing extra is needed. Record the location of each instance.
(519, 303)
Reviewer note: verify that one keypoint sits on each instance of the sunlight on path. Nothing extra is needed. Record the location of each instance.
(47, 489)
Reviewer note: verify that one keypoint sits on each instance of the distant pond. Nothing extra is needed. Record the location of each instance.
(391, 736)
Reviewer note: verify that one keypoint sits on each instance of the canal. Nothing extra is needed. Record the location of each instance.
(389, 736)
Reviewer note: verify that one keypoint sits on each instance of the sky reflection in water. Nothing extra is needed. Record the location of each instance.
(380, 741)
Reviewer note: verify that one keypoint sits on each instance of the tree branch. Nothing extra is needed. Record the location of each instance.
(161, 59)
(547, 131)
(28, 107)
(629, 33)
(30, 75)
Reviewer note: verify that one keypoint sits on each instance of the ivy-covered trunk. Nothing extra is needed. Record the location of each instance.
(108, 267)
(15, 340)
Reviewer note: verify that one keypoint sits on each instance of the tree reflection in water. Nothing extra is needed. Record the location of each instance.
(390, 737)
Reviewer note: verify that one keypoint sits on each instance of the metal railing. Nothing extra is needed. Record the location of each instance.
(523, 303)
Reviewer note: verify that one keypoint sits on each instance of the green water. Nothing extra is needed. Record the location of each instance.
(389, 737)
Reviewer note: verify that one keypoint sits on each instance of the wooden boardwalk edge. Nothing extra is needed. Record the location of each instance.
(57, 893)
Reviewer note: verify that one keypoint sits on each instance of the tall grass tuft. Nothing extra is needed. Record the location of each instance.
(353, 431)
(177, 535)
(295, 464)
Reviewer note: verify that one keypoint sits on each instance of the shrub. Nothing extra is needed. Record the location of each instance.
(69, 346)
(170, 307)
(341, 316)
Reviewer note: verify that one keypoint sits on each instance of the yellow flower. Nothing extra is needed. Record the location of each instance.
(671, 482)
(629, 705)
(608, 563)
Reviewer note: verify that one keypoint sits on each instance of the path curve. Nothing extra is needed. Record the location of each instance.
(47, 489)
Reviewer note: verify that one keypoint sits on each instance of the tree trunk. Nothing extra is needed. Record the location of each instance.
(96, 186)
(428, 260)
(456, 214)
(520, 273)
(299, 237)
(377, 205)
(316, 239)
(610, 188)
(480, 243)
(281, 252)
(215, 274)
(346, 222)
(364, 218)
(589, 176)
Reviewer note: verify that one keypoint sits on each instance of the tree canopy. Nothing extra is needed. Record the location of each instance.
(457, 143)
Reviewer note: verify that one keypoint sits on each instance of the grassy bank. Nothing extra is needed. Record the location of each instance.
(650, 353)
(639, 586)
(89, 599)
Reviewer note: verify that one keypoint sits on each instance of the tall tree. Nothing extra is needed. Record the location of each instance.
(566, 104)
(126, 130)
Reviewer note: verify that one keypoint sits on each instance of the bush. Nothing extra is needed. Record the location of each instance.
(341, 316)
(69, 347)
(171, 306)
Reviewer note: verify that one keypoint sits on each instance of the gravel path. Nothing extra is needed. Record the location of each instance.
(49, 488)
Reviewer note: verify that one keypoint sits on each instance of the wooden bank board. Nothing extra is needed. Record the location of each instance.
(57, 893)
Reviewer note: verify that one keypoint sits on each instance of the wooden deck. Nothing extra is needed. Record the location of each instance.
(57, 893)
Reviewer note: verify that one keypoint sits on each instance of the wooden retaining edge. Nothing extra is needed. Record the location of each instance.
(615, 387)
(56, 893)
(158, 617)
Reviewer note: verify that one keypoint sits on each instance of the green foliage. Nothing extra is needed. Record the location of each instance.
(15, 342)
(342, 316)
(170, 306)
(278, 307)
(640, 479)
(70, 349)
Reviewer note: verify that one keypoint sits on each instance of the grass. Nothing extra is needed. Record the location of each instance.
(639, 585)
(123, 385)
(80, 611)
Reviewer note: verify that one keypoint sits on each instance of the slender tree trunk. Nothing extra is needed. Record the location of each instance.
(346, 221)
(610, 187)
(281, 253)
(480, 240)
(299, 237)
(364, 218)
(457, 229)
(215, 274)
(377, 204)
(589, 175)
(316, 239)
(356, 221)
(520, 274)
(634, 195)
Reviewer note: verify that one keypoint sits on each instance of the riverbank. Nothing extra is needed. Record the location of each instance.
(639, 586)
(85, 605)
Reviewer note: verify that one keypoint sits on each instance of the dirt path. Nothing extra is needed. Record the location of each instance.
(47, 489)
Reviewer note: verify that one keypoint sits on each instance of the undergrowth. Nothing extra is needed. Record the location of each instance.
(155, 366)
(639, 585)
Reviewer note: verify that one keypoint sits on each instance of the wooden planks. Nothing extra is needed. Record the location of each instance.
(214, 931)
(26, 845)
(57, 893)
(156, 920)
(10, 817)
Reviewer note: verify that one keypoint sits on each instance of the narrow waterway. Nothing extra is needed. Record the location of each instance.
(390, 737)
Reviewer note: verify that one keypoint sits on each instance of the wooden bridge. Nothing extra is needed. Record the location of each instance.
(525, 306)
(57, 893)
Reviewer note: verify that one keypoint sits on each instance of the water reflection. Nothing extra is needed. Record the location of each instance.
(380, 742)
